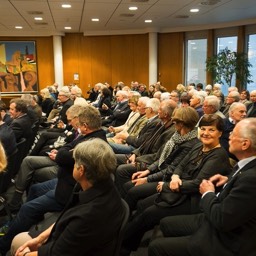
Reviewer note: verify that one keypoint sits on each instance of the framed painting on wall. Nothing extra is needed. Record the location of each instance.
(18, 67)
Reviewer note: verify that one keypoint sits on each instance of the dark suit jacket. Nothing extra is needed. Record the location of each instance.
(118, 116)
(251, 113)
(65, 161)
(145, 133)
(21, 127)
(229, 225)
(224, 139)
(178, 153)
(84, 228)
(7, 139)
(65, 106)
(7, 119)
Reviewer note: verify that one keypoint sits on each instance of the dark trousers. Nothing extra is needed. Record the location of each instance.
(177, 231)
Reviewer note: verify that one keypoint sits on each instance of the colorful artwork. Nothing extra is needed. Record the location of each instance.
(18, 66)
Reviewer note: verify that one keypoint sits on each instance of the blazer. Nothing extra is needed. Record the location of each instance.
(65, 161)
(84, 228)
(21, 127)
(7, 139)
(229, 224)
(144, 133)
(174, 158)
(118, 116)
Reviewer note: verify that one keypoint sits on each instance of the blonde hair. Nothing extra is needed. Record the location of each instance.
(3, 159)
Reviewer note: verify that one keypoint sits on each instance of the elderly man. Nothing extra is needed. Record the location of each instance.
(228, 223)
(82, 217)
(232, 97)
(154, 140)
(237, 112)
(120, 113)
(196, 102)
(41, 168)
(52, 195)
(76, 96)
(211, 105)
(251, 109)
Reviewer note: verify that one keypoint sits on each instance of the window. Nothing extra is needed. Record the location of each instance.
(230, 43)
(196, 54)
(252, 59)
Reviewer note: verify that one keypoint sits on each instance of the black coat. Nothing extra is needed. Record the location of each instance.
(65, 160)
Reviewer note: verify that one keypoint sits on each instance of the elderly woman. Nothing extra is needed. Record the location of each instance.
(144, 182)
(47, 101)
(181, 195)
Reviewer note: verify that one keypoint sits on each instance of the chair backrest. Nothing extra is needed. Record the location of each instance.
(122, 228)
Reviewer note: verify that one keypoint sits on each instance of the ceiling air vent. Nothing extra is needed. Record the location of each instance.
(210, 2)
(35, 12)
(182, 16)
(139, 1)
(41, 23)
(127, 15)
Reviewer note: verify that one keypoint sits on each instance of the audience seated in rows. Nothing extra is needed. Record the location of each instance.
(52, 195)
(156, 133)
(218, 230)
(180, 195)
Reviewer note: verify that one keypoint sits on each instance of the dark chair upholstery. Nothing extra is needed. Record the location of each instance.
(122, 228)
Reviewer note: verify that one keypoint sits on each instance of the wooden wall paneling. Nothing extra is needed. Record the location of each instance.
(170, 59)
(100, 59)
(141, 59)
(122, 59)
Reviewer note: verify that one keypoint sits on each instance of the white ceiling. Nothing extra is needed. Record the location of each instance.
(166, 15)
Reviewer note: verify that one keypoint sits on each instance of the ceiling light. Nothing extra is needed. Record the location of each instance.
(194, 10)
(38, 18)
(133, 8)
(18, 27)
(148, 21)
(95, 19)
(67, 28)
(66, 5)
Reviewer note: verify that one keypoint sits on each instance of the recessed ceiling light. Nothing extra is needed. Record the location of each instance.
(194, 10)
(18, 27)
(38, 18)
(95, 19)
(133, 8)
(148, 21)
(67, 27)
(66, 5)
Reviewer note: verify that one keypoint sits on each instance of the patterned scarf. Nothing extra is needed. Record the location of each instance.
(176, 139)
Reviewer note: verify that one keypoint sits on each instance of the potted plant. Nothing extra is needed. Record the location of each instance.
(226, 64)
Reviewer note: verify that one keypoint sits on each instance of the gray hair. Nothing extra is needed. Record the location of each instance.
(248, 130)
(90, 116)
(165, 96)
(97, 158)
(199, 96)
(144, 100)
(77, 90)
(234, 105)
(28, 98)
(168, 107)
(75, 110)
(235, 95)
(154, 104)
(213, 101)
(123, 93)
(65, 91)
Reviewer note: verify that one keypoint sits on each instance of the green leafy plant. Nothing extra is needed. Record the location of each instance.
(226, 64)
